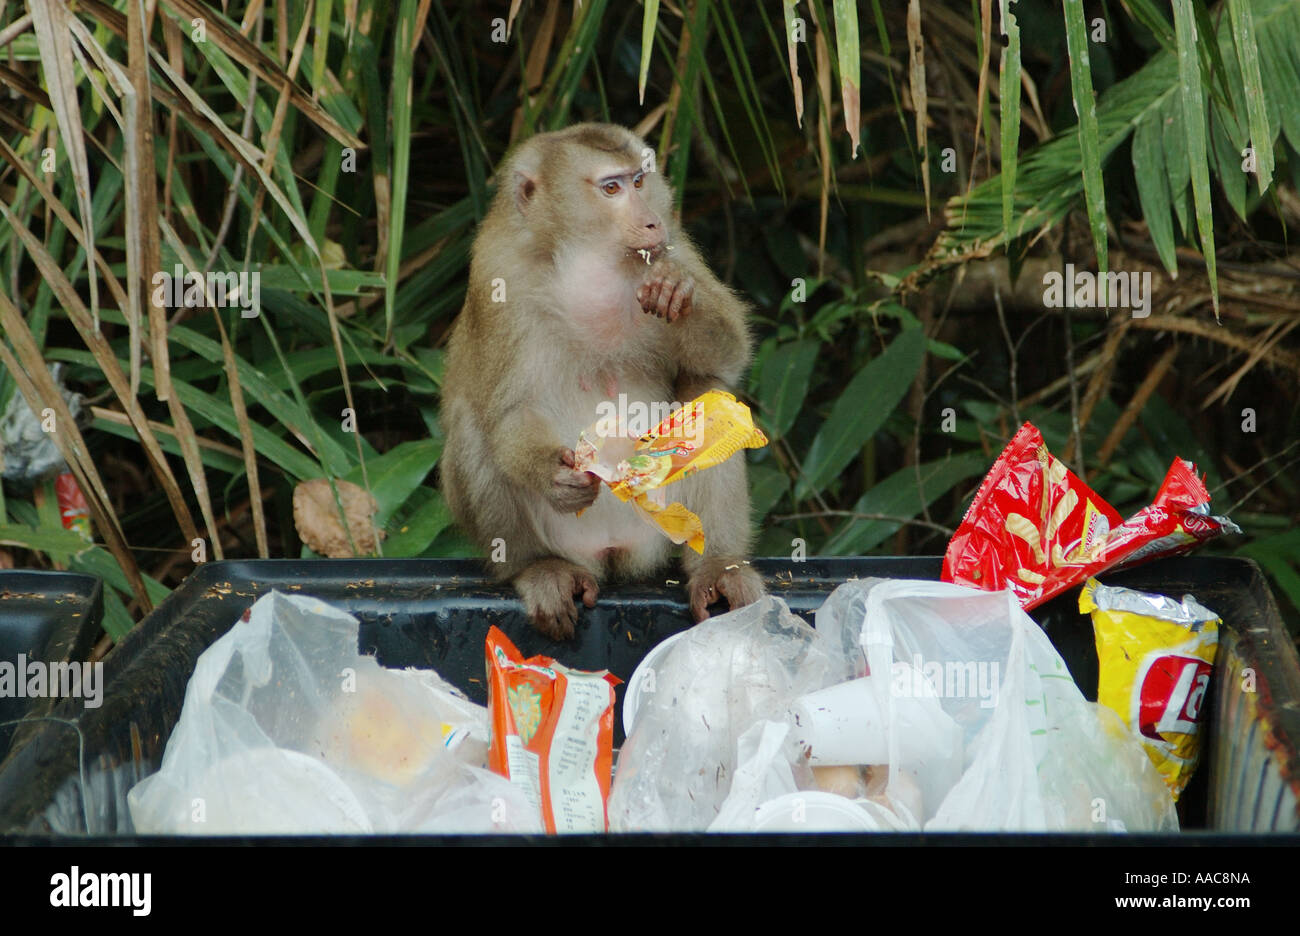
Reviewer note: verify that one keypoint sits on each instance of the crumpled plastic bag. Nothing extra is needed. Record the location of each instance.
(724, 676)
(957, 702)
(287, 729)
(1036, 755)
(27, 452)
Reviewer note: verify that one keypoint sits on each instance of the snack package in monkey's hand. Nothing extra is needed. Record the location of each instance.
(1036, 529)
(1156, 656)
(703, 433)
(552, 734)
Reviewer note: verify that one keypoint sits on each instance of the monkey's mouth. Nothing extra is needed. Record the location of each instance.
(650, 252)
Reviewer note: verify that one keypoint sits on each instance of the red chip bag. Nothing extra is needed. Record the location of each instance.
(1036, 529)
(552, 734)
(1177, 521)
(1031, 517)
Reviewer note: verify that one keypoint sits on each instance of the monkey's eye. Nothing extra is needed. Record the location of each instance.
(611, 187)
(638, 180)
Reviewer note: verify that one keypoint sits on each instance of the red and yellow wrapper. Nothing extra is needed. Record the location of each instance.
(1035, 528)
(552, 734)
(703, 433)
(1156, 660)
(73, 510)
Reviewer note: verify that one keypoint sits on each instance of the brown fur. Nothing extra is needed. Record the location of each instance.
(584, 314)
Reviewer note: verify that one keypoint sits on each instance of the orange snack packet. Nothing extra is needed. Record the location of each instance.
(552, 734)
(703, 433)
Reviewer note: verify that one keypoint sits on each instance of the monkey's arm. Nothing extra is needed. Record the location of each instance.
(531, 457)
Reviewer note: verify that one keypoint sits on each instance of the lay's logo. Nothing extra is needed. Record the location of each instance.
(1172, 689)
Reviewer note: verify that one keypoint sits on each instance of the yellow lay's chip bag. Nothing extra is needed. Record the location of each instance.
(1156, 657)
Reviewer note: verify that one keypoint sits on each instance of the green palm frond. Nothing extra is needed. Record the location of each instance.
(1148, 107)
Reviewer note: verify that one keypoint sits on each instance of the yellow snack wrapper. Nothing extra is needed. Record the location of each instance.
(1156, 657)
(703, 433)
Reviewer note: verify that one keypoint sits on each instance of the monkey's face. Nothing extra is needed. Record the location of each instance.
(593, 189)
(622, 200)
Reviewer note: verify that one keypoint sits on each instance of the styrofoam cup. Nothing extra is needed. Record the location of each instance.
(845, 724)
(842, 724)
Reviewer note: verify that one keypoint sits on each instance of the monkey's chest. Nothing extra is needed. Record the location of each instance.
(611, 399)
(598, 300)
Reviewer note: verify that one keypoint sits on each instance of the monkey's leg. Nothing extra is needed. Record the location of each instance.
(721, 498)
(547, 587)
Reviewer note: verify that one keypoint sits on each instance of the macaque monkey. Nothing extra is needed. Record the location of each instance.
(582, 288)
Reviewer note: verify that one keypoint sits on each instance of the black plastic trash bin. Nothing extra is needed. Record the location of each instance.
(436, 614)
(46, 618)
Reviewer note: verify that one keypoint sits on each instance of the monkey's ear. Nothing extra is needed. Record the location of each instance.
(525, 188)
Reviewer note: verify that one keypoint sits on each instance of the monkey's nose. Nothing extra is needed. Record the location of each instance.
(653, 239)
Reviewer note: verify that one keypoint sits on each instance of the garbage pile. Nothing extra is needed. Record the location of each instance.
(918, 706)
(910, 706)
(286, 729)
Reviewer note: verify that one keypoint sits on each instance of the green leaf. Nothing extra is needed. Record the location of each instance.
(767, 485)
(397, 473)
(1279, 555)
(899, 495)
(1153, 189)
(260, 388)
(400, 110)
(850, 62)
(861, 409)
(1174, 141)
(117, 621)
(269, 446)
(324, 13)
(452, 543)
(99, 561)
(342, 282)
(1281, 73)
(44, 539)
(944, 350)
(649, 17)
(1261, 135)
(1194, 119)
(417, 532)
(783, 383)
(1146, 13)
(221, 461)
(1085, 105)
(1226, 161)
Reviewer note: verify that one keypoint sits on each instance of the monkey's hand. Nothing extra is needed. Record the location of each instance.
(722, 577)
(668, 292)
(571, 490)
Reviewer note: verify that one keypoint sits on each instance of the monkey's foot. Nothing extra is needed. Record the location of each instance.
(547, 588)
(722, 577)
(668, 294)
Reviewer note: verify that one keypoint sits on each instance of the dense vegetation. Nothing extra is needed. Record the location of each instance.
(891, 212)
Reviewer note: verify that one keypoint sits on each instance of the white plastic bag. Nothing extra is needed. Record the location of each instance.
(724, 676)
(1034, 754)
(765, 797)
(287, 729)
